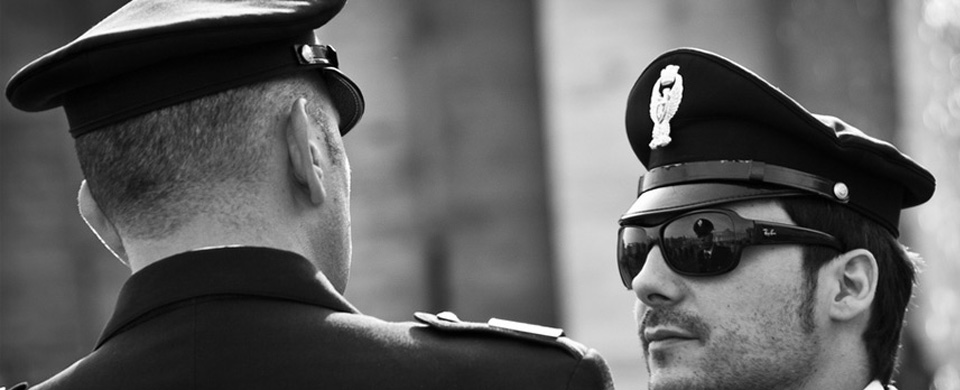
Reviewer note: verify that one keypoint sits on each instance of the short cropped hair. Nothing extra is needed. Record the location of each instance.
(152, 174)
(897, 272)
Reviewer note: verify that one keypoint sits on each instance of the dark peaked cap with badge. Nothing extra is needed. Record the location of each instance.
(710, 131)
(152, 54)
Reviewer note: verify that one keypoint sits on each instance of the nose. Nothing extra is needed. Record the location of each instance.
(656, 284)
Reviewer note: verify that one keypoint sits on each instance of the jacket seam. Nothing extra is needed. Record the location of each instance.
(575, 371)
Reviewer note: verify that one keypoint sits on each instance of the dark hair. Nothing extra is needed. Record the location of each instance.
(153, 173)
(897, 270)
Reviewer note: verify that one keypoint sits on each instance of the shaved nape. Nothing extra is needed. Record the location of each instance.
(152, 174)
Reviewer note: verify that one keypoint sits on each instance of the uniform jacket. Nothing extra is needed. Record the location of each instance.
(259, 318)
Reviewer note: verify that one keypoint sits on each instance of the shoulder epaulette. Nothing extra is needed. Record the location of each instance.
(449, 322)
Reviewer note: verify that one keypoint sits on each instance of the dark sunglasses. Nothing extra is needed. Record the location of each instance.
(706, 242)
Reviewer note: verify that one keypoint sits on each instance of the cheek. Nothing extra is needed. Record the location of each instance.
(766, 291)
(764, 321)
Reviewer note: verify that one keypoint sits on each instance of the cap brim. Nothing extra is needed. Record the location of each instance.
(666, 201)
(346, 97)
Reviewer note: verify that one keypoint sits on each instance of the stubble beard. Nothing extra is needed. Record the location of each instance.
(737, 361)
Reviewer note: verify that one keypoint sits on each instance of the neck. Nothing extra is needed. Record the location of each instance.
(204, 233)
(328, 252)
(844, 364)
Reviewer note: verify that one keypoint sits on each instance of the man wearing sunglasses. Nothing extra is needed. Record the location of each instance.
(762, 246)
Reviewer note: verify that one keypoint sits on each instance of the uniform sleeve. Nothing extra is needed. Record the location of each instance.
(592, 373)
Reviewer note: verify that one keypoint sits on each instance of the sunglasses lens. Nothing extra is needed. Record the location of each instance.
(701, 244)
(632, 251)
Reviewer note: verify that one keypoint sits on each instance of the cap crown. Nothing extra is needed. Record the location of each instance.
(154, 53)
(729, 114)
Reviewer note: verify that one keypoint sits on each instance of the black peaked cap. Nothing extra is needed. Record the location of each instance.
(733, 136)
(150, 54)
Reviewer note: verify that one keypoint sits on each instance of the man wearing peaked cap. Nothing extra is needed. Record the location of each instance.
(209, 134)
(762, 246)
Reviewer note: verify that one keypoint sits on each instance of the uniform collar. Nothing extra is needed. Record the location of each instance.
(251, 271)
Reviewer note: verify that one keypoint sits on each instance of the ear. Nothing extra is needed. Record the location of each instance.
(304, 155)
(852, 278)
(99, 224)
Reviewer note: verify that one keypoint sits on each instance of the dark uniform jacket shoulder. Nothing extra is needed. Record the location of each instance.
(257, 318)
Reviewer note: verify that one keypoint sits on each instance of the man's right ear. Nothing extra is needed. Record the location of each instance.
(305, 158)
(99, 224)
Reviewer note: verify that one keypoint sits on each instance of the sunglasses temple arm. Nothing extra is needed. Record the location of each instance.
(772, 233)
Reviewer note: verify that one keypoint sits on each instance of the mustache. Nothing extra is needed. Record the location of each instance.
(673, 318)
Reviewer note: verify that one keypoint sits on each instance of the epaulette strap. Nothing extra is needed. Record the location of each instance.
(447, 321)
(530, 329)
(876, 385)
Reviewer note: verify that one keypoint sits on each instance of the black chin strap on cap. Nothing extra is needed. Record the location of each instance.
(755, 172)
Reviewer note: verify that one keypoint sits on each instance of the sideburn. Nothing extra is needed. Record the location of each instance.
(805, 310)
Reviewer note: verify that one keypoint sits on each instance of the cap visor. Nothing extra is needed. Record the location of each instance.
(346, 98)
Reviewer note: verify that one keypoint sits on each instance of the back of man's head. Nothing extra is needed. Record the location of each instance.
(209, 157)
(170, 102)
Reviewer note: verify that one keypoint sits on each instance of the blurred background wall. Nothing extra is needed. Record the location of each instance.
(492, 165)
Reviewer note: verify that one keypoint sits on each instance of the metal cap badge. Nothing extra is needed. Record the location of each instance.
(664, 102)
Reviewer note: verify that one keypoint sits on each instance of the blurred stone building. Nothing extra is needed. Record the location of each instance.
(492, 164)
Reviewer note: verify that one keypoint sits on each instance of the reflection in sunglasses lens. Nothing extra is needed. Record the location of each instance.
(700, 244)
(633, 248)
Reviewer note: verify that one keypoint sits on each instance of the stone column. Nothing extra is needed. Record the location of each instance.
(450, 205)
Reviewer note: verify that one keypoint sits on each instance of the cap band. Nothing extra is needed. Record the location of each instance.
(183, 79)
(748, 171)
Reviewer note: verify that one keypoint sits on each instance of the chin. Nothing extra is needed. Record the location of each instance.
(679, 385)
(674, 368)
(680, 377)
